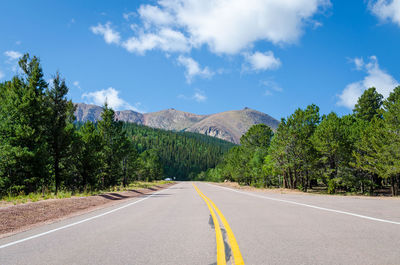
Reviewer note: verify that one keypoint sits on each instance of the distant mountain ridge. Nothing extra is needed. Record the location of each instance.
(228, 125)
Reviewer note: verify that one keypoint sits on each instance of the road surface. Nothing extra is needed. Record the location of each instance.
(175, 226)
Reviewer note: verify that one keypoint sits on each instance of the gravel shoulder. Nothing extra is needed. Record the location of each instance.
(18, 218)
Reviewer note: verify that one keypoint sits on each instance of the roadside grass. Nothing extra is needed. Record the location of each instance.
(34, 197)
(317, 190)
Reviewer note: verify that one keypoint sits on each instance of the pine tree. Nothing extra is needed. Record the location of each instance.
(60, 127)
(368, 105)
(22, 131)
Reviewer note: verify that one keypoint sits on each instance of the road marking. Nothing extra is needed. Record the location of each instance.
(79, 222)
(311, 206)
(237, 256)
(218, 235)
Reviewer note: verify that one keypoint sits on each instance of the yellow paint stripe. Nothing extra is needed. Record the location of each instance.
(218, 235)
(231, 237)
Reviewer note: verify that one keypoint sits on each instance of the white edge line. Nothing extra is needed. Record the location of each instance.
(81, 221)
(310, 206)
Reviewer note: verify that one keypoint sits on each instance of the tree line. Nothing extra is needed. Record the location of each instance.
(43, 149)
(359, 152)
(182, 154)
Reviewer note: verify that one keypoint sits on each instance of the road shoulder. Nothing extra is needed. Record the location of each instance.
(19, 218)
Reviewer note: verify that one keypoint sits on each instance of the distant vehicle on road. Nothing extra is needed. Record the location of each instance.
(168, 179)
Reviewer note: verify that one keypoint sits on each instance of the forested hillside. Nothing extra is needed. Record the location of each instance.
(182, 154)
(43, 149)
(359, 152)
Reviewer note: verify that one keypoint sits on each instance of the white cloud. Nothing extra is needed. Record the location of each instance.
(193, 68)
(153, 15)
(76, 84)
(386, 10)
(262, 61)
(376, 77)
(13, 55)
(128, 15)
(359, 63)
(225, 26)
(271, 86)
(229, 26)
(1, 74)
(165, 39)
(198, 96)
(111, 96)
(110, 35)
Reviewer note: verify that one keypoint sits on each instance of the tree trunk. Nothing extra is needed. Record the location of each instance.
(394, 186)
(306, 182)
(125, 177)
(57, 173)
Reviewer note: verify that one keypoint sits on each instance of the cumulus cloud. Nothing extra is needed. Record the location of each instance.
(111, 96)
(165, 39)
(229, 26)
(225, 26)
(198, 96)
(386, 10)
(110, 36)
(128, 15)
(376, 77)
(261, 61)
(13, 55)
(193, 68)
(153, 15)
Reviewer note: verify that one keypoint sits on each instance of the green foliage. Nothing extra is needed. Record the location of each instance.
(182, 155)
(352, 153)
(244, 163)
(292, 150)
(368, 105)
(24, 149)
(43, 150)
(60, 130)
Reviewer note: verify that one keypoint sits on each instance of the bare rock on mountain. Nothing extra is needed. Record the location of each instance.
(172, 119)
(229, 125)
(130, 116)
(87, 112)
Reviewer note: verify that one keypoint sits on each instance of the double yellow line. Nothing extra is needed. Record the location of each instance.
(237, 256)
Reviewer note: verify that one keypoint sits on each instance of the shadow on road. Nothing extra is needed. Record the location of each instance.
(228, 251)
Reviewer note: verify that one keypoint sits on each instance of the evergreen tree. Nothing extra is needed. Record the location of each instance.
(331, 141)
(90, 157)
(368, 105)
(60, 127)
(389, 155)
(23, 115)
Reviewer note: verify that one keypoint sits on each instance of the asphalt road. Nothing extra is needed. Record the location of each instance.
(174, 226)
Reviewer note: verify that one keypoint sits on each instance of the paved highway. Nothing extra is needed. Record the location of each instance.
(213, 225)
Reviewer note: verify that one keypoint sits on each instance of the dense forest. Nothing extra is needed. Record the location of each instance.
(359, 152)
(182, 154)
(43, 149)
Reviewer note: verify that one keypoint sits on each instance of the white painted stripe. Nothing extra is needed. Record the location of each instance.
(310, 206)
(79, 222)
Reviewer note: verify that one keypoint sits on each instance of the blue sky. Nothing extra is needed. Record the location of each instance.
(209, 56)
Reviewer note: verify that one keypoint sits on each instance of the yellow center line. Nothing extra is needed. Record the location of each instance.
(237, 256)
(218, 234)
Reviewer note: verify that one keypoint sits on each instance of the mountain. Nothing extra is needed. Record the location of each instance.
(228, 125)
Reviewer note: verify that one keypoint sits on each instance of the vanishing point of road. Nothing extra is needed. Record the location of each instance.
(200, 223)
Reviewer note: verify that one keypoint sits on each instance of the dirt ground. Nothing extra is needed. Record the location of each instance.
(18, 218)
